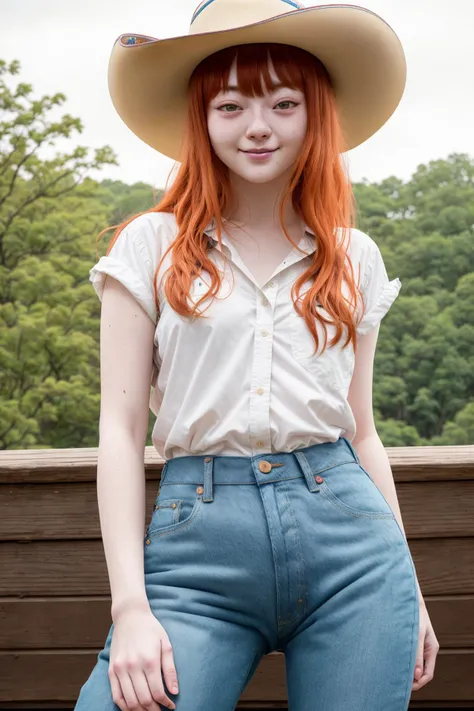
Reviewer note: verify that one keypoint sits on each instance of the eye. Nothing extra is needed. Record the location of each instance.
(223, 107)
(287, 102)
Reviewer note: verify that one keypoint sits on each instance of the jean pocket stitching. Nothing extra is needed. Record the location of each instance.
(346, 508)
(179, 525)
(164, 504)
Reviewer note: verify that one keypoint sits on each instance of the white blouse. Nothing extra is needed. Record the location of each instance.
(243, 380)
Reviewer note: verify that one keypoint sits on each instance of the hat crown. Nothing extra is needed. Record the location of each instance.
(216, 15)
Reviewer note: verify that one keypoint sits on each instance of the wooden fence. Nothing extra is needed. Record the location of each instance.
(55, 595)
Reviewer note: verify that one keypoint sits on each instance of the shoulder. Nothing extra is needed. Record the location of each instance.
(361, 249)
(150, 226)
(360, 244)
(151, 233)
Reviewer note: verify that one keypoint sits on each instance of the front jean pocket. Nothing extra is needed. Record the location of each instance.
(350, 488)
(173, 513)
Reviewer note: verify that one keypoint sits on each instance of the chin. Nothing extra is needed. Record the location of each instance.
(258, 173)
(262, 176)
(260, 179)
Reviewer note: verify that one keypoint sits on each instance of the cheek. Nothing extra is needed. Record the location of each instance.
(295, 141)
(300, 130)
(221, 133)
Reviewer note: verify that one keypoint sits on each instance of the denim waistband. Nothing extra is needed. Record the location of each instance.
(218, 470)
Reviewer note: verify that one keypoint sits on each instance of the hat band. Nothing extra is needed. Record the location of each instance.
(206, 3)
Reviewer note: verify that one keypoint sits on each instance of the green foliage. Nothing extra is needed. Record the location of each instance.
(51, 212)
(424, 364)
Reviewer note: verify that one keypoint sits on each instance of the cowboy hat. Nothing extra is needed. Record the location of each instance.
(148, 77)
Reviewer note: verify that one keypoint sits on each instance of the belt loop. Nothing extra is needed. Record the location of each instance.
(303, 462)
(351, 448)
(208, 483)
(163, 471)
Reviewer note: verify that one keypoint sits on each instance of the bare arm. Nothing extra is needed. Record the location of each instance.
(126, 347)
(367, 443)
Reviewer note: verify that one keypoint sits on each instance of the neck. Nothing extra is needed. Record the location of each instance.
(257, 205)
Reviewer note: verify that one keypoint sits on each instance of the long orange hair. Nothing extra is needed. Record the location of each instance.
(320, 192)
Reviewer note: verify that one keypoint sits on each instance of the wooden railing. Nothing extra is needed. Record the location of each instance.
(55, 595)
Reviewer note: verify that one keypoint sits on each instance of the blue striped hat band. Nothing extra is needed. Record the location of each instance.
(205, 3)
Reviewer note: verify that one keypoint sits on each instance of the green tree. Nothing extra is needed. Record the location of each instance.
(424, 366)
(48, 214)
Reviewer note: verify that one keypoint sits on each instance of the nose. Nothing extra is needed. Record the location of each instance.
(258, 126)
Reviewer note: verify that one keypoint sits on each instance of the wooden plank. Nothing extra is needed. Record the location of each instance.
(57, 676)
(444, 566)
(82, 623)
(54, 622)
(30, 511)
(49, 465)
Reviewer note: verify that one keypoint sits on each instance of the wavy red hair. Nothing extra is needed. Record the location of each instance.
(320, 192)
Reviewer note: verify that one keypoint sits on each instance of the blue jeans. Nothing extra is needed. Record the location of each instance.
(297, 552)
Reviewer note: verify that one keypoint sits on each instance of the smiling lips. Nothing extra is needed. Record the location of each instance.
(261, 150)
(260, 154)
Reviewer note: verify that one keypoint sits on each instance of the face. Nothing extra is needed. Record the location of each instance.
(238, 125)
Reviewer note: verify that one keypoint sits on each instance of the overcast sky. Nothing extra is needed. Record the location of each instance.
(65, 47)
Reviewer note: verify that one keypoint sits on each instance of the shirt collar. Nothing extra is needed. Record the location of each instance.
(307, 242)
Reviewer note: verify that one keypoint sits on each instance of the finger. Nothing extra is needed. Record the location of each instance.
(144, 695)
(419, 664)
(152, 670)
(169, 669)
(426, 676)
(128, 691)
(424, 679)
(116, 690)
(430, 662)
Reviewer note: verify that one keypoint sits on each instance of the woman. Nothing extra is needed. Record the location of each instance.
(267, 532)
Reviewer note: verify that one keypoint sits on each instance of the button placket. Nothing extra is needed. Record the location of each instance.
(262, 365)
(266, 307)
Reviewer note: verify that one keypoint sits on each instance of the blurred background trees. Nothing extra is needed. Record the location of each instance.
(51, 212)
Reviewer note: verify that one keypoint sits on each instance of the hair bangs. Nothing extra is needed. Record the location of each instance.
(253, 69)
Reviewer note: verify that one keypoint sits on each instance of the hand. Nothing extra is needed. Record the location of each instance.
(427, 650)
(140, 648)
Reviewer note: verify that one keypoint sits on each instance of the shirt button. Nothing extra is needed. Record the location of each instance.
(260, 391)
(270, 284)
(264, 332)
(259, 443)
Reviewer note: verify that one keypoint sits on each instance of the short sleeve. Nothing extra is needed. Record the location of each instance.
(130, 262)
(378, 291)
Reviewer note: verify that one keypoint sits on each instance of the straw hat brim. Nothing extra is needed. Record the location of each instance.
(361, 52)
